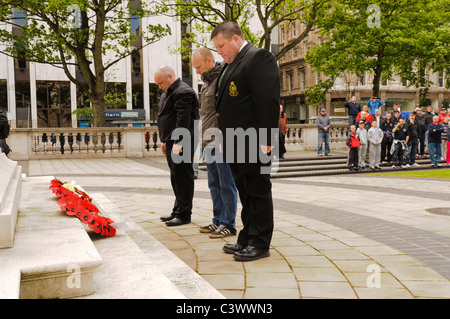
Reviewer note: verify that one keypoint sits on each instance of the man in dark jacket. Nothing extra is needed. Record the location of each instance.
(177, 112)
(248, 99)
(353, 109)
(221, 184)
(387, 126)
(421, 120)
(435, 131)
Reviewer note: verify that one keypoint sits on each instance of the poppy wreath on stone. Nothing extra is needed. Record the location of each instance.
(76, 202)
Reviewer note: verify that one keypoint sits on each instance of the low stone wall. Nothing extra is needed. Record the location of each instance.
(47, 143)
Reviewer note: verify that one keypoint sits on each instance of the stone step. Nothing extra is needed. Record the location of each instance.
(154, 271)
(325, 165)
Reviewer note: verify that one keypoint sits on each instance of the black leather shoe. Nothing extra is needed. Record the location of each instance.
(177, 222)
(250, 253)
(167, 218)
(232, 248)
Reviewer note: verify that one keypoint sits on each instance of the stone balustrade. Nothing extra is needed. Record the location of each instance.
(44, 143)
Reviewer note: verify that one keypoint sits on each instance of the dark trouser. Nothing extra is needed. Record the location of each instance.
(399, 157)
(255, 193)
(422, 144)
(182, 180)
(351, 120)
(353, 157)
(386, 145)
(412, 151)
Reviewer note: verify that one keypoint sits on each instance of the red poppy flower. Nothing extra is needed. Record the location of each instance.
(78, 203)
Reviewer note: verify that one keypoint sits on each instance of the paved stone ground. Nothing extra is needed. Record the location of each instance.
(349, 237)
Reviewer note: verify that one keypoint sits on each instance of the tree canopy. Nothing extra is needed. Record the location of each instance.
(266, 15)
(385, 38)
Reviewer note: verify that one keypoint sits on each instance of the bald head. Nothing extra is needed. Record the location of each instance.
(202, 60)
(204, 53)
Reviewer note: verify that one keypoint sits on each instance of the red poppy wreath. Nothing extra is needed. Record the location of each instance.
(75, 202)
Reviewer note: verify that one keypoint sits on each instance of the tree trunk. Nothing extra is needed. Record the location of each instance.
(98, 109)
(376, 82)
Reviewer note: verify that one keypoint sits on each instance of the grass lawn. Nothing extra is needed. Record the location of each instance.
(438, 173)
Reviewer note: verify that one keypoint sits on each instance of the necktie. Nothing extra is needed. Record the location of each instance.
(223, 73)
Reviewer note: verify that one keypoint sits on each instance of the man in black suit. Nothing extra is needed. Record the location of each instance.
(177, 111)
(248, 100)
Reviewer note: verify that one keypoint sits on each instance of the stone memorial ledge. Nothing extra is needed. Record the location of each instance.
(10, 189)
(52, 255)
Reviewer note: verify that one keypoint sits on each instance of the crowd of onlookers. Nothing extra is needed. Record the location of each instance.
(398, 141)
(394, 139)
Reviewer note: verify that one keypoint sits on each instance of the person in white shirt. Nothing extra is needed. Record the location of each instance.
(374, 137)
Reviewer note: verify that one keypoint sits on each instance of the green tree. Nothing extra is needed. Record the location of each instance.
(64, 33)
(383, 37)
(204, 15)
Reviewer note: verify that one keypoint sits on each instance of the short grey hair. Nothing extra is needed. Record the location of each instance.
(165, 70)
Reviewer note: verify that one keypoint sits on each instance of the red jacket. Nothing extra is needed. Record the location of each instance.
(441, 117)
(353, 140)
(369, 118)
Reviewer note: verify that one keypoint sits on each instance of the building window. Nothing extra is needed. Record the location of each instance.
(3, 96)
(362, 79)
(138, 96)
(317, 77)
(135, 21)
(302, 80)
(282, 34)
(405, 82)
(441, 79)
(290, 81)
(136, 61)
(294, 29)
(384, 82)
(53, 104)
(19, 17)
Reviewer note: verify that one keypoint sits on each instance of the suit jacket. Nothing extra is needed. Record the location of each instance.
(178, 109)
(248, 97)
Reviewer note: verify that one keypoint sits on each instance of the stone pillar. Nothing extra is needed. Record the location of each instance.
(33, 98)
(146, 72)
(11, 89)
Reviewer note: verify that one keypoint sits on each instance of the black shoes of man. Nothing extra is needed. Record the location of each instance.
(174, 220)
(248, 253)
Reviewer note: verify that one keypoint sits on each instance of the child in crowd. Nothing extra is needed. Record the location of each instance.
(375, 137)
(362, 150)
(353, 145)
